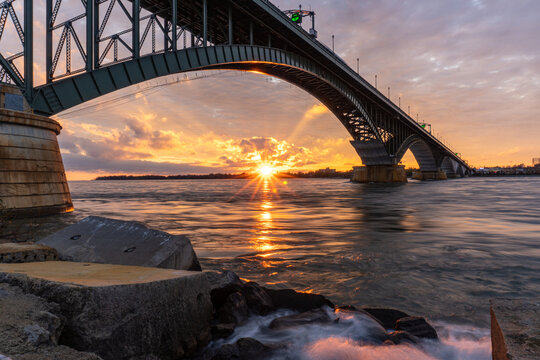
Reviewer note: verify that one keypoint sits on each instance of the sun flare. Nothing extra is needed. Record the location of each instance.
(266, 171)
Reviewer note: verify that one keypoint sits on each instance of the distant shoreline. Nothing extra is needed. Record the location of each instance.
(309, 175)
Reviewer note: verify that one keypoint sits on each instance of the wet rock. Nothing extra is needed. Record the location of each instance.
(317, 316)
(290, 299)
(244, 349)
(375, 330)
(416, 326)
(121, 312)
(387, 317)
(26, 252)
(235, 309)
(222, 284)
(257, 299)
(220, 331)
(400, 337)
(108, 241)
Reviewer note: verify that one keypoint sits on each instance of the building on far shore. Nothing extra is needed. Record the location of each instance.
(536, 162)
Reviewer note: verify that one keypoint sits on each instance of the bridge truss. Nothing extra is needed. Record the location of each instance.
(94, 47)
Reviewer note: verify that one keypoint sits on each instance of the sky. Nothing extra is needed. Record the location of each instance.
(470, 68)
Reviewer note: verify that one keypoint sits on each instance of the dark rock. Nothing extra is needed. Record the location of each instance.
(400, 337)
(387, 317)
(220, 331)
(244, 349)
(376, 331)
(257, 299)
(252, 349)
(290, 299)
(227, 352)
(222, 284)
(317, 316)
(234, 310)
(417, 326)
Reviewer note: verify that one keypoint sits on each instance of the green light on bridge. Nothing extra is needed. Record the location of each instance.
(423, 126)
(296, 18)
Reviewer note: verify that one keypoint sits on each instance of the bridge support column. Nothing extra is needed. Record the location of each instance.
(429, 175)
(32, 177)
(379, 174)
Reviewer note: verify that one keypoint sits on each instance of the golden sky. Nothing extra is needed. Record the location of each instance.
(471, 68)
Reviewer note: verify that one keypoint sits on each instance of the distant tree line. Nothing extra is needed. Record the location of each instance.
(322, 173)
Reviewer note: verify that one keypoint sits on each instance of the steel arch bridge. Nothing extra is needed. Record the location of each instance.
(112, 44)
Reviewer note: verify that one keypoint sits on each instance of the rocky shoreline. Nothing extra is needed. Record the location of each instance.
(98, 302)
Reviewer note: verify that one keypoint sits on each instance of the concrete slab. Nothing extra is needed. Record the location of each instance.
(515, 329)
(26, 252)
(121, 312)
(108, 241)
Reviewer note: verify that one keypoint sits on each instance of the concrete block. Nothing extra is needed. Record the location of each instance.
(107, 241)
(26, 252)
(515, 329)
(122, 312)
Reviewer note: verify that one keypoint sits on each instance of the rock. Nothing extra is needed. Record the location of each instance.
(26, 333)
(387, 317)
(416, 326)
(515, 329)
(107, 241)
(121, 312)
(36, 335)
(400, 337)
(290, 299)
(317, 316)
(257, 299)
(26, 252)
(222, 284)
(244, 349)
(220, 331)
(234, 310)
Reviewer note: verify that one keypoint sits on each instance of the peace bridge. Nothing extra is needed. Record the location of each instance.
(87, 56)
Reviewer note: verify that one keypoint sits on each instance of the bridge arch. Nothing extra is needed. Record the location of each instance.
(58, 96)
(422, 153)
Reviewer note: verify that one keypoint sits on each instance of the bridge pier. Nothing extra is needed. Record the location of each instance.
(429, 175)
(379, 174)
(32, 177)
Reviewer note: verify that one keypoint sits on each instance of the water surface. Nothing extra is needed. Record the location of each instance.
(439, 249)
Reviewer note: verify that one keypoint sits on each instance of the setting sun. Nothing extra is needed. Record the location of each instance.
(266, 171)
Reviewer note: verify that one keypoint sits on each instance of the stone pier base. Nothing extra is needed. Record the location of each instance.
(379, 174)
(429, 175)
(32, 177)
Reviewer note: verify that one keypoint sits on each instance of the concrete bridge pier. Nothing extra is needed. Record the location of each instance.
(32, 177)
(379, 174)
(429, 175)
(379, 167)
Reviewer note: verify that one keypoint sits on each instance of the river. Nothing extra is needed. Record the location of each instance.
(439, 249)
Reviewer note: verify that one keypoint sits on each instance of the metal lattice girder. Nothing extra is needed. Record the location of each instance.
(368, 115)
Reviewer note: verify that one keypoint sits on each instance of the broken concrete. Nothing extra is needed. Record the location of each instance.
(121, 312)
(515, 329)
(26, 252)
(107, 241)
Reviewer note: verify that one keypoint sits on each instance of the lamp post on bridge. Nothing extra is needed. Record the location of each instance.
(375, 81)
(333, 43)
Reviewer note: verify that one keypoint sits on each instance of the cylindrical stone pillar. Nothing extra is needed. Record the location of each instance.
(32, 177)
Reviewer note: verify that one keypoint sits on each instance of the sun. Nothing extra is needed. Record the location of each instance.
(266, 171)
